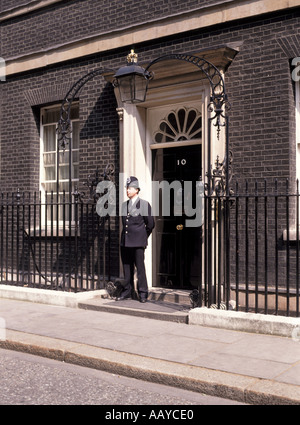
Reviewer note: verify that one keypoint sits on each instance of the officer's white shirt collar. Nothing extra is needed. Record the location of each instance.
(134, 199)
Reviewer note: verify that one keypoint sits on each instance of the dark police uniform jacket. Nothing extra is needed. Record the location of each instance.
(138, 224)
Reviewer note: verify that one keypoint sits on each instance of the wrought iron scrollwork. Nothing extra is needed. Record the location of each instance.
(218, 98)
(219, 176)
(92, 182)
(78, 195)
(64, 123)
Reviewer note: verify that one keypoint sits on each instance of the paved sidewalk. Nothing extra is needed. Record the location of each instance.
(247, 367)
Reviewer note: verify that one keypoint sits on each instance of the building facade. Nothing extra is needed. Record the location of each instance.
(49, 45)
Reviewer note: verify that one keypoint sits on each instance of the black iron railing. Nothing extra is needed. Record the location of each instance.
(251, 250)
(250, 246)
(53, 243)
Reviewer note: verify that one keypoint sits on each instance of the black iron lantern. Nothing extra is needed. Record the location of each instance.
(132, 81)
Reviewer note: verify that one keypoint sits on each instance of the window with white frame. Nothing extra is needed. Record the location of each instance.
(49, 170)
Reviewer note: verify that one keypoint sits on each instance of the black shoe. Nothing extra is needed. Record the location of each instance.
(123, 297)
(134, 296)
(143, 300)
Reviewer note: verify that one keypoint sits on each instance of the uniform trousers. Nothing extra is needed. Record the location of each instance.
(134, 257)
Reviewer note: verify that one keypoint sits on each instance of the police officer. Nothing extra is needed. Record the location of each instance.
(138, 224)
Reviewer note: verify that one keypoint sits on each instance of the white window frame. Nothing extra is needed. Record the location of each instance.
(43, 181)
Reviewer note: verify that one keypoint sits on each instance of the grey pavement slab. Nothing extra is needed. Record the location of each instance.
(241, 359)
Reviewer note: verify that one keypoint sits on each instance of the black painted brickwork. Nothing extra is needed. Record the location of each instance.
(259, 85)
(71, 20)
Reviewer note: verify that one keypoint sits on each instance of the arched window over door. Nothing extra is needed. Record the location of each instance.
(180, 125)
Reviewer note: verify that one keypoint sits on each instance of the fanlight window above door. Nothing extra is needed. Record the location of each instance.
(180, 125)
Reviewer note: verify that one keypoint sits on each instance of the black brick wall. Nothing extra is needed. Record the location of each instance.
(21, 99)
(71, 20)
(259, 86)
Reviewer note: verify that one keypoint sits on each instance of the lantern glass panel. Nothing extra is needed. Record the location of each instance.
(141, 84)
(133, 88)
(126, 88)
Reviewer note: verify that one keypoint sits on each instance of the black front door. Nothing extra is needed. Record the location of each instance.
(177, 246)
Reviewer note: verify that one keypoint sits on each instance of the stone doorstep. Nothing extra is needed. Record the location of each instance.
(170, 312)
(170, 295)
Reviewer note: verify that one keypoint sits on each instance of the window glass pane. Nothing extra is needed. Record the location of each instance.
(50, 173)
(50, 187)
(74, 114)
(64, 172)
(75, 135)
(50, 138)
(173, 121)
(51, 115)
(49, 158)
(76, 172)
(64, 186)
(64, 158)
